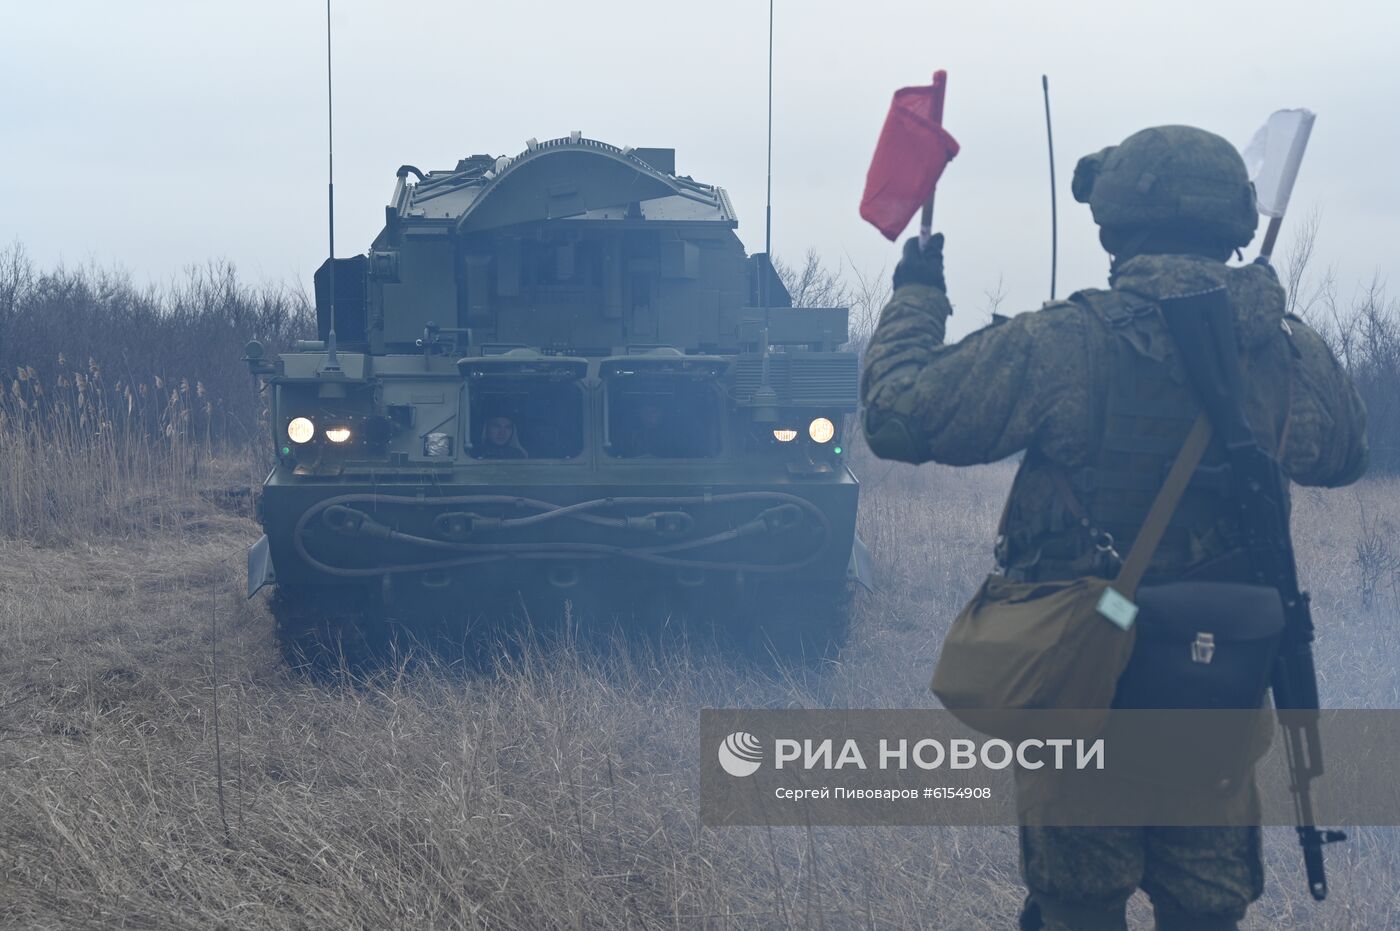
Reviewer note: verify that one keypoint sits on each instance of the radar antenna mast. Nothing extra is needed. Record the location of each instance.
(332, 363)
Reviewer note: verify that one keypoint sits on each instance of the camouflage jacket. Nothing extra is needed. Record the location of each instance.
(1040, 382)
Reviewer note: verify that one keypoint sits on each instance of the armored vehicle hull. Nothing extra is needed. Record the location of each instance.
(559, 378)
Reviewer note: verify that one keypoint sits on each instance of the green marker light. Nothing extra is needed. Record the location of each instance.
(837, 450)
(286, 450)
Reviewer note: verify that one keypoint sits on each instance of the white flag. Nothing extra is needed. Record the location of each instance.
(1273, 157)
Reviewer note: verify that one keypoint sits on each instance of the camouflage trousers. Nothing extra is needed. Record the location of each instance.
(1082, 878)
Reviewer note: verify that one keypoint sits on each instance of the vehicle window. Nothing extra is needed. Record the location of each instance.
(663, 417)
(523, 418)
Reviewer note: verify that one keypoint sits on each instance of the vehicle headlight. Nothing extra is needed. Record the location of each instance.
(784, 436)
(301, 430)
(337, 434)
(821, 430)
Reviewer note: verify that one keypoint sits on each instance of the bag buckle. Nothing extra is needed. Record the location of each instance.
(1107, 560)
(1203, 648)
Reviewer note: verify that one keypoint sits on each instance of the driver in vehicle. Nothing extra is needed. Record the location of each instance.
(651, 435)
(499, 440)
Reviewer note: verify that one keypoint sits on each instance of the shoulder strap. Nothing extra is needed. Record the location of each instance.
(1155, 524)
(1114, 308)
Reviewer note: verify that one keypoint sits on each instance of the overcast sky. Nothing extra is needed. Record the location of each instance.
(155, 135)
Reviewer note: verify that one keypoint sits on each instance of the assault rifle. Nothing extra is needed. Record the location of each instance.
(1203, 328)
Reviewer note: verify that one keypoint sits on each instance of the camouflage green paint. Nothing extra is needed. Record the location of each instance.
(1038, 382)
(590, 269)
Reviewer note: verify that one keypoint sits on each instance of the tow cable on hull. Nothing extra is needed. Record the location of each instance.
(785, 514)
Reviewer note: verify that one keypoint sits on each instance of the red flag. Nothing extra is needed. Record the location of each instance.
(913, 150)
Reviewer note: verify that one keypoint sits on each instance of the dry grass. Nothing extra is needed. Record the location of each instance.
(81, 456)
(159, 766)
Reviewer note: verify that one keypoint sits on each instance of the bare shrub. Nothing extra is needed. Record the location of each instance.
(993, 298)
(814, 283)
(870, 292)
(1364, 335)
(58, 321)
(1377, 558)
(1375, 366)
(114, 399)
(1308, 293)
(817, 284)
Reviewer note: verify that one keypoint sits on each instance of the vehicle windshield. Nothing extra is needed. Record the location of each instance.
(526, 418)
(663, 417)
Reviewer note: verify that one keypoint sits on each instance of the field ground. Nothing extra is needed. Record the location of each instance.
(160, 767)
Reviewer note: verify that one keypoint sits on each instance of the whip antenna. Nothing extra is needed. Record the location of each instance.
(768, 207)
(765, 399)
(1054, 214)
(332, 363)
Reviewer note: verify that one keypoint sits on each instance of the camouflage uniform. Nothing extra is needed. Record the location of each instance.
(1199, 878)
(1051, 383)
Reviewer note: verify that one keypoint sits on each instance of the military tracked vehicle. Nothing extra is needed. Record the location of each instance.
(559, 376)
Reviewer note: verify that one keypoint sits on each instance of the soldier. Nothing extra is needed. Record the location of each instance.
(1089, 388)
(499, 439)
(651, 433)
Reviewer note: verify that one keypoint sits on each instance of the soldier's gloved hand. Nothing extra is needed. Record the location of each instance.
(921, 266)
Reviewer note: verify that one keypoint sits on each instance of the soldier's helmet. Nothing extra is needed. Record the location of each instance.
(1172, 177)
